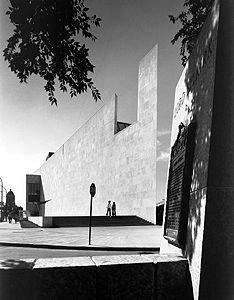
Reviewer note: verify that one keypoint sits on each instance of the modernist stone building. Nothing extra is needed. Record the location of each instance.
(119, 158)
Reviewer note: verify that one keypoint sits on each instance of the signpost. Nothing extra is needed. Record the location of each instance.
(92, 193)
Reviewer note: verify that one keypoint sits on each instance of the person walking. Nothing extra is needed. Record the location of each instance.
(113, 208)
(10, 217)
(108, 212)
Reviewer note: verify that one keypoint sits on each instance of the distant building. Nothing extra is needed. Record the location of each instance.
(10, 199)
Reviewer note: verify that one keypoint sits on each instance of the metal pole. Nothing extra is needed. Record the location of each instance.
(90, 219)
(1, 189)
(1, 212)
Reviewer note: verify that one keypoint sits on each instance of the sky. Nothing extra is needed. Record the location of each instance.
(30, 127)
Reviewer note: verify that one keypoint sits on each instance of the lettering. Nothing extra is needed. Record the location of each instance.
(201, 64)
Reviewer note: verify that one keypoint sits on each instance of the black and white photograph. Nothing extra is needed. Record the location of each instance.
(116, 154)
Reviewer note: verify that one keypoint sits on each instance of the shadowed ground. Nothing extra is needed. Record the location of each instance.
(17, 242)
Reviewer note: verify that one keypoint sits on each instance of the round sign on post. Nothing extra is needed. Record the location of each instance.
(92, 193)
(92, 189)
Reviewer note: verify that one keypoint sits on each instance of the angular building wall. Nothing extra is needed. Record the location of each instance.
(194, 98)
(204, 95)
(122, 165)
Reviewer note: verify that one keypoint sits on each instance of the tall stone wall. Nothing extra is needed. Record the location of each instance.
(122, 165)
(217, 274)
(204, 95)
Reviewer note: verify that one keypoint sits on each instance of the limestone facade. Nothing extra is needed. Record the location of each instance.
(122, 165)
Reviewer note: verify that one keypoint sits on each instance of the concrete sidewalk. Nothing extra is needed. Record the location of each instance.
(131, 237)
(47, 274)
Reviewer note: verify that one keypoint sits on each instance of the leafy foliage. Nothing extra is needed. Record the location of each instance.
(13, 211)
(44, 43)
(192, 20)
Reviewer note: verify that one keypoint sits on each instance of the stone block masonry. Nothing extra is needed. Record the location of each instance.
(204, 95)
(122, 165)
(127, 277)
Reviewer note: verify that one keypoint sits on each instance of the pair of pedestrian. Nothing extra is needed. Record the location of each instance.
(111, 209)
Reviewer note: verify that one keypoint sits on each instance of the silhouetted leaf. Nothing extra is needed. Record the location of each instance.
(45, 43)
(192, 21)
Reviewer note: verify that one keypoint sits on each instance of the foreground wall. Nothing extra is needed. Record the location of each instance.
(96, 278)
(204, 95)
(122, 165)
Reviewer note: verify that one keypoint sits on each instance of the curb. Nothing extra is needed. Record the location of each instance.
(87, 248)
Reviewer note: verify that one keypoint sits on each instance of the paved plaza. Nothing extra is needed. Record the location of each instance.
(103, 238)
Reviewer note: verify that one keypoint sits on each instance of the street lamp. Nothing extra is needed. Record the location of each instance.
(1, 190)
(2, 202)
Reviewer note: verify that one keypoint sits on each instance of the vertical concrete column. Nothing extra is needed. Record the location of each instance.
(146, 142)
(147, 84)
(115, 111)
